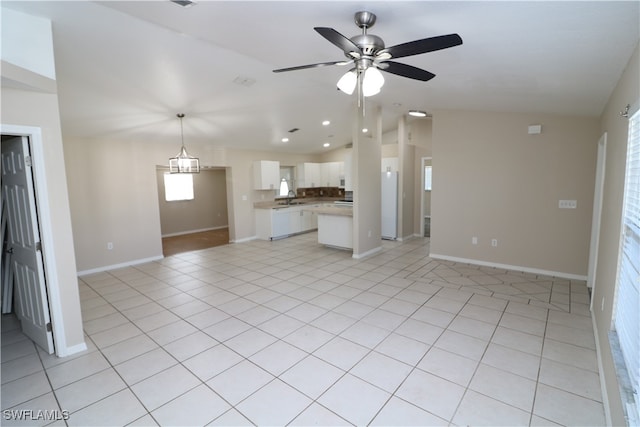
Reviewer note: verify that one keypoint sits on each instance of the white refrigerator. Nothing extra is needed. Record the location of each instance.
(389, 205)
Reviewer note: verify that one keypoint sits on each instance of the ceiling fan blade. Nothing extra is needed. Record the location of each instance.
(430, 44)
(405, 70)
(303, 67)
(338, 39)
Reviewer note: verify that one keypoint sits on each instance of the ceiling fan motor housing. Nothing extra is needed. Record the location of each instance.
(369, 44)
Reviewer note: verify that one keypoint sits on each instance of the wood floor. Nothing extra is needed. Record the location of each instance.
(195, 241)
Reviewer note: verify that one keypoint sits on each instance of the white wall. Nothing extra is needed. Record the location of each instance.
(38, 107)
(27, 42)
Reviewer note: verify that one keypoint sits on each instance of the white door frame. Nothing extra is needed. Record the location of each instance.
(36, 144)
(597, 211)
(423, 160)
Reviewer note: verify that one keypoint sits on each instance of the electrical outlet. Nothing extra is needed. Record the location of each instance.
(567, 204)
(369, 234)
(494, 243)
(110, 246)
(602, 305)
(474, 240)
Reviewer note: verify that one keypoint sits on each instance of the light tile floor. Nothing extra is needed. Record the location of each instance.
(293, 333)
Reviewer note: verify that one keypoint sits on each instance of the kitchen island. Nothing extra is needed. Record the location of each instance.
(335, 225)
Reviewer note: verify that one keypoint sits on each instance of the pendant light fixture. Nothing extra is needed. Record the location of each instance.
(183, 162)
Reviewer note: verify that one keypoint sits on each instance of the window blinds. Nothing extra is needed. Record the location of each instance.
(627, 317)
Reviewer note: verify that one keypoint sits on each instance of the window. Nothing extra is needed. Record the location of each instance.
(627, 319)
(427, 178)
(178, 186)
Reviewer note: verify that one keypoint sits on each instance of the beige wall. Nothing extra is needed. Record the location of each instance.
(626, 92)
(494, 181)
(29, 108)
(406, 181)
(367, 184)
(114, 199)
(207, 210)
(420, 131)
(113, 194)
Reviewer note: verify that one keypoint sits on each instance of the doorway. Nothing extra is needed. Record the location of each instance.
(196, 218)
(597, 211)
(24, 283)
(425, 199)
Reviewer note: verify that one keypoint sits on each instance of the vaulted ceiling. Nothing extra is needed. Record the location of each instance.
(125, 68)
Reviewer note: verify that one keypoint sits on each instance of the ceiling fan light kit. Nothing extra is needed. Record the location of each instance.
(368, 54)
(348, 81)
(183, 162)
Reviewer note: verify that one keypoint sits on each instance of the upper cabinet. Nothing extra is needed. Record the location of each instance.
(330, 173)
(266, 175)
(309, 175)
(319, 174)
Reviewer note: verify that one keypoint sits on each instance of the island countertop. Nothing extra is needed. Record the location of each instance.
(331, 210)
(297, 202)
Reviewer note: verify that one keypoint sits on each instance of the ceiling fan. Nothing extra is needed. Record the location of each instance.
(368, 54)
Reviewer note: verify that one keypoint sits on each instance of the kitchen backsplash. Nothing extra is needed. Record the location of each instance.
(320, 192)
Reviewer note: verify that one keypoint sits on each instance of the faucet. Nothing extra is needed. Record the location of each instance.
(290, 195)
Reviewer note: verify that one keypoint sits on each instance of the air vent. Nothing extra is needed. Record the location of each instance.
(244, 81)
(293, 130)
(184, 3)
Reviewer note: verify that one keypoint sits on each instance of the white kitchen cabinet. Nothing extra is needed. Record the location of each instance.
(295, 224)
(308, 220)
(282, 222)
(309, 175)
(330, 174)
(266, 175)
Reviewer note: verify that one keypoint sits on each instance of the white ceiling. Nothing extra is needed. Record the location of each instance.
(124, 69)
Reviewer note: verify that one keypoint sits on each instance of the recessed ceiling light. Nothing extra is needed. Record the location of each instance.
(326, 123)
(326, 144)
(285, 139)
(417, 113)
(365, 130)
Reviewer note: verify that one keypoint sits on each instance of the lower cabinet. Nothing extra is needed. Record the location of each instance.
(283, 222)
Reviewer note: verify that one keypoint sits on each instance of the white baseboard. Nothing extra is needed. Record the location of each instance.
(246, 239)
(200, 230)
(510, 267)
(366, 254)
(407, 238)
(121, 265)
(69, 351)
